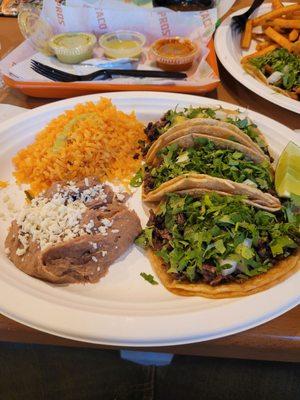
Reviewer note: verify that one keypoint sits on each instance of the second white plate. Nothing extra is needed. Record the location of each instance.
(229, 52)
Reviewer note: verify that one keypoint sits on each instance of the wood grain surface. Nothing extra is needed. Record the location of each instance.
(276, 340)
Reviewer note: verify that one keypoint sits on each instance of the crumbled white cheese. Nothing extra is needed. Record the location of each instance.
(88, 227)
(94, 245)
(92, 193)
(106, 222)
(115, 230)
(120, 196)
(103, 230)
(119, 189)
(50, 221)
(94, 259)
(103, 252)
(20, 252)
(86, 195)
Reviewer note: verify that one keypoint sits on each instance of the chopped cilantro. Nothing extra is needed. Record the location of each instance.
(292, 209)
(190, 233)
(145, 239)
(137, 179)
(283, 61)
(175, 116)
(205, 158)
(277, 245)
(149, 278)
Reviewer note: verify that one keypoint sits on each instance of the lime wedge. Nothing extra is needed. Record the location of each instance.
(287, 174)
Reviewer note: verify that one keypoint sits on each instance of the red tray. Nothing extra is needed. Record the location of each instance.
(62, 90)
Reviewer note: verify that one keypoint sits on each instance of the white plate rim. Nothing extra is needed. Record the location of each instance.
(236, 70)
(58, 326)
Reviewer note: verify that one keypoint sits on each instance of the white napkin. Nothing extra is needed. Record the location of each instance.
(201, 75)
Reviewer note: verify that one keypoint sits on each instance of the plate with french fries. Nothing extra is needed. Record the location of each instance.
(266, 56)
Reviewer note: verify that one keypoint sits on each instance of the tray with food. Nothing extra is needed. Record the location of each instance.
(136, 223)
(266, 56)
(117, 47)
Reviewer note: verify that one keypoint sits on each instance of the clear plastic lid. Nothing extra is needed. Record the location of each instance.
(35, 29)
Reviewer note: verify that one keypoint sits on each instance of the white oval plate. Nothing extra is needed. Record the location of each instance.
(229, 52)
(124, 309)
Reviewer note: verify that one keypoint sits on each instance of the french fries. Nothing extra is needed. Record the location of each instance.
(278, 38)
(262, 45)
(247, 36)
(293, 35)
(274, 26)
(296, 48)
(295, 15)
(275, 13)
(277, 28)
(276, 4)
(260, 53)
(259, 37)
(287, 23)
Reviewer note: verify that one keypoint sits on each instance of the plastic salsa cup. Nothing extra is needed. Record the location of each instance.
(174, 53)
(122, 44)
(72, 48)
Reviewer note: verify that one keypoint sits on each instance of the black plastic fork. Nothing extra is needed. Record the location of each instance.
(103, 74)
(238, 22)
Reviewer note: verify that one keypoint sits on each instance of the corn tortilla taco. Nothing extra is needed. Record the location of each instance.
(203, 126)
(278, 69)
(219, 246)
(221, 164)
(187, 139)
(200, 184)
(238, 122)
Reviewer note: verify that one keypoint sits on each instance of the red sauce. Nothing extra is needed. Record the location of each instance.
(174, 54)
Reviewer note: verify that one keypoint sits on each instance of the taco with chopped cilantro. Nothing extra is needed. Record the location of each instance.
(201, 183)
(278, 69)
(217, 246)
(216, 121)
(215, 164)
(205, 127)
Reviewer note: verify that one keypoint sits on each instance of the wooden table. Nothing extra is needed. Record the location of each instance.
(276, 340)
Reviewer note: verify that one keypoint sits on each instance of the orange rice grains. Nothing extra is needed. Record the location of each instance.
(91, 139)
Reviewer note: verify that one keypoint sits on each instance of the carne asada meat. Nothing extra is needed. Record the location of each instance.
(152, 130)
